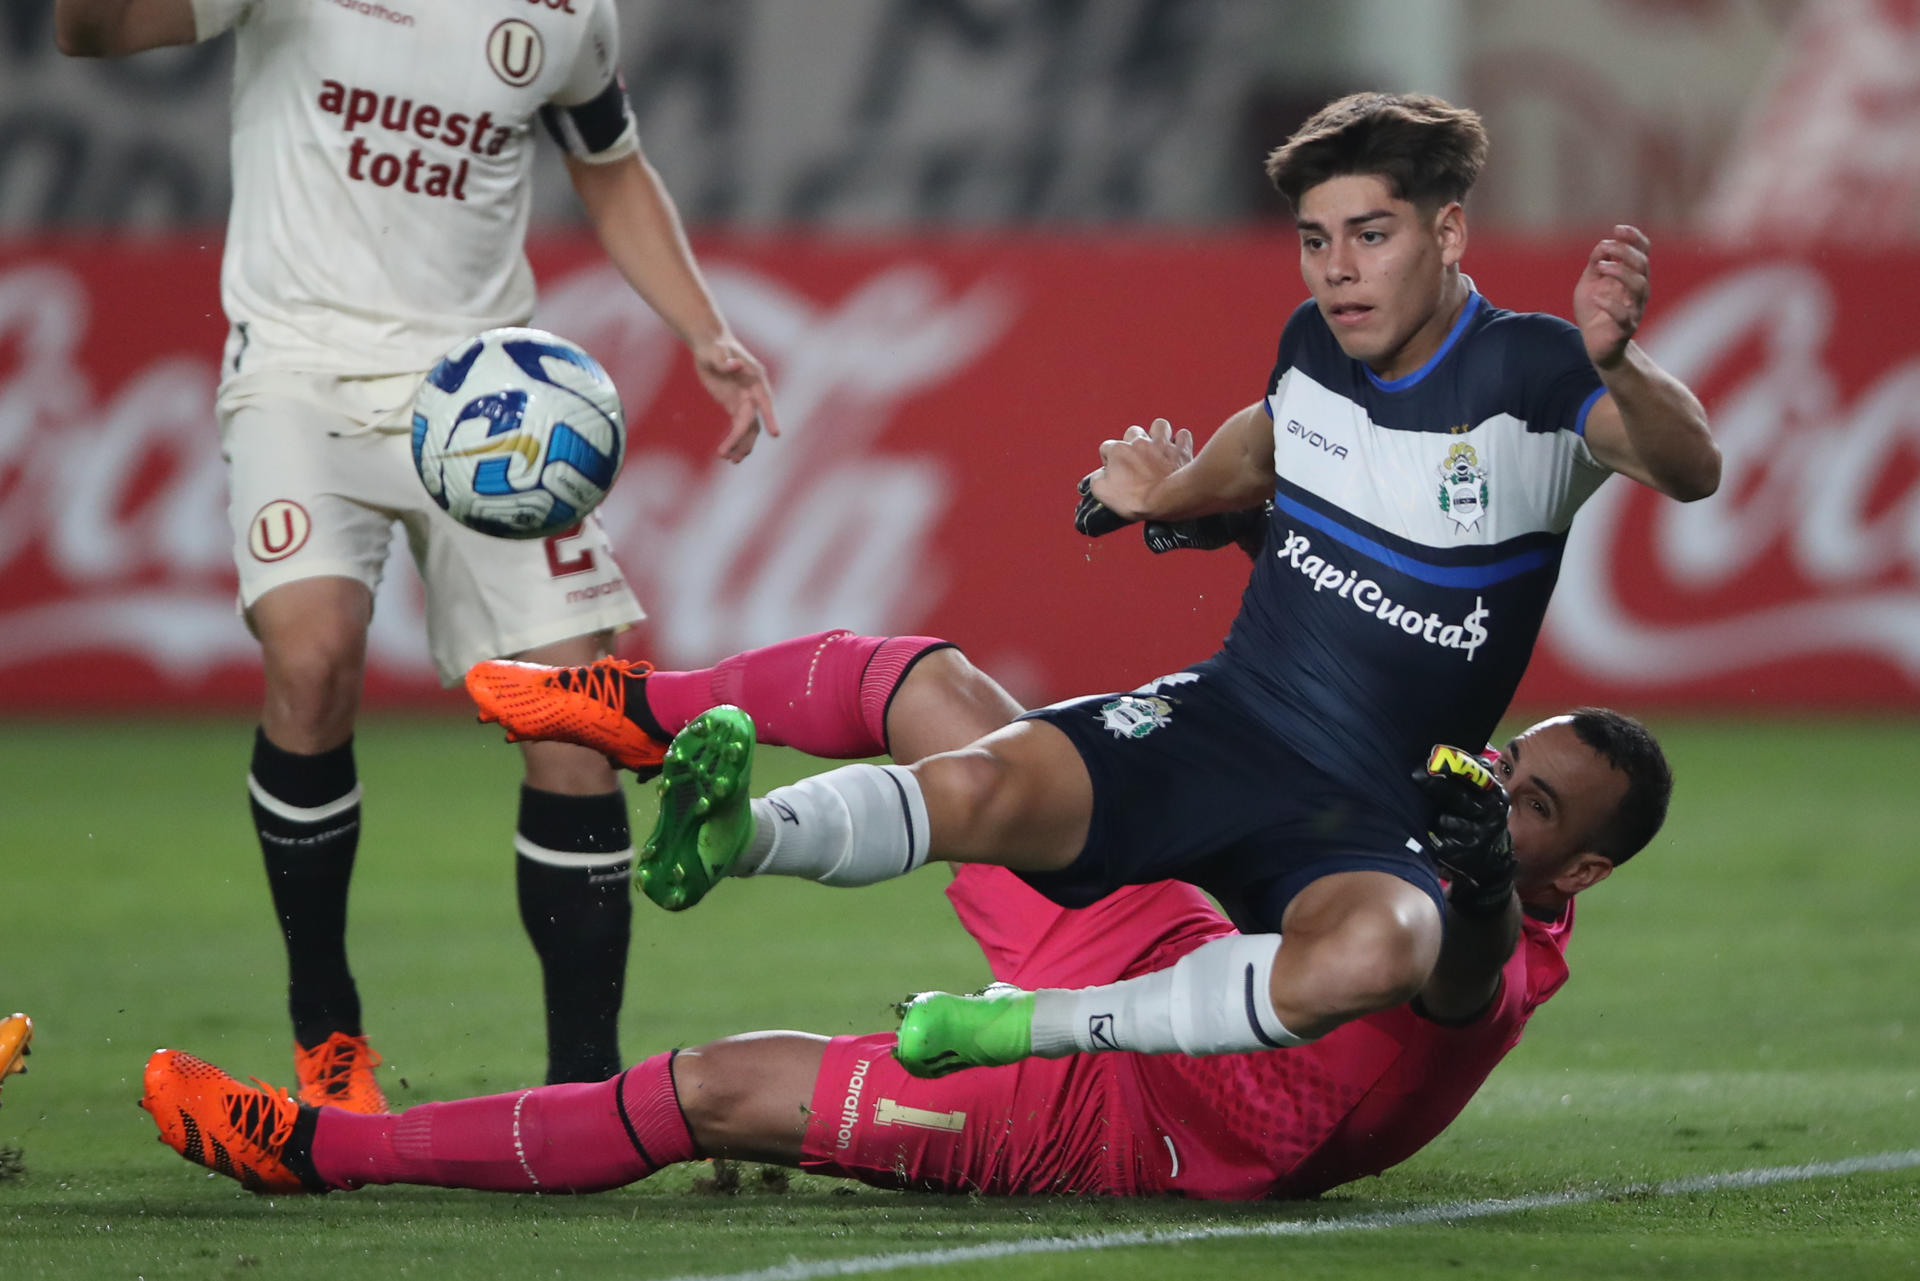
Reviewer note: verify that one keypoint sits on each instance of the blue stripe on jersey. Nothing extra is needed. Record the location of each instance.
(1586, 407)
(1474, 576)
(1467, 313)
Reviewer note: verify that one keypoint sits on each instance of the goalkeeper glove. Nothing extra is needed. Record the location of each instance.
(1468, 833)
(1206, 533)
(1093, 517)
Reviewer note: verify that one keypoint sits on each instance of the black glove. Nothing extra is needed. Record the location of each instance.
(1468, 833)
(1091, 516)
(1206, 533)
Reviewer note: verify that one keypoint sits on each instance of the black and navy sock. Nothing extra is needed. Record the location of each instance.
(306, 811)
(574, 866)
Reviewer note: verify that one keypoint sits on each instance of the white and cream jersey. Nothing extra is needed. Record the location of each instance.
(381, 154)
(1415, 538)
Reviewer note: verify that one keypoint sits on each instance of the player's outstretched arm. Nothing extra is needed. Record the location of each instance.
(112, 28)
(1649, 425)
(1468, 838)
(640, 229)
(1153, 474)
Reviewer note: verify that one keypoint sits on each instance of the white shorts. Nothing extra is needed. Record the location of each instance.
(318, 470)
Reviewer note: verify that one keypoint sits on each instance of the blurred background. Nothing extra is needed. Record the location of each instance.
(972, 238)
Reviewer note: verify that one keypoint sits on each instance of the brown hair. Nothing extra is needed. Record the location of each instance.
(1428, 150)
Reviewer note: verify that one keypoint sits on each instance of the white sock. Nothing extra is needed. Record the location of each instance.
(1214, 1000)
(855, 825)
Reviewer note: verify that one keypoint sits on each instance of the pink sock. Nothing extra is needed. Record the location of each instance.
(557, 1138)
(825, 694)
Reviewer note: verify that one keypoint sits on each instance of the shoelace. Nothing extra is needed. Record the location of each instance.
(336, 1071)
(251, 1111)
(604, 681)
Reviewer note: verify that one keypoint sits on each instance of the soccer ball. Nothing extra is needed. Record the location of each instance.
(518, 433)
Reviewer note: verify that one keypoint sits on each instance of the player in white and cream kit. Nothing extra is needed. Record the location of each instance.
(381, 162)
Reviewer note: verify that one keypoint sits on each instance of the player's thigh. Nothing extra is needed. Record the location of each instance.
(945, 703)
(490, 597)
(1020, 798)
(304, 495)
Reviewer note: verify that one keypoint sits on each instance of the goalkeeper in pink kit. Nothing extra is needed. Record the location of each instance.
(1581, 794)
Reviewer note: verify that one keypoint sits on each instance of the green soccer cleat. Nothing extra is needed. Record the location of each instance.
(941, 1033)
(705, 821)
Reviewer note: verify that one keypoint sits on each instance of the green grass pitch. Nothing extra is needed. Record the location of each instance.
(1746, 995)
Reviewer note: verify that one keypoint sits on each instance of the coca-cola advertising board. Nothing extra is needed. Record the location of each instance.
(938, 398)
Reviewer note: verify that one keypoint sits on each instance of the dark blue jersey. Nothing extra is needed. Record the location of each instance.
(1416, 535)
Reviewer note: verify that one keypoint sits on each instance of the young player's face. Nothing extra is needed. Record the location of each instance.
(1561, 792)
(1379, 270)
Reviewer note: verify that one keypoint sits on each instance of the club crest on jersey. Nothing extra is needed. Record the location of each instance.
(515, 52)
(1463, 486)
(1131, 716)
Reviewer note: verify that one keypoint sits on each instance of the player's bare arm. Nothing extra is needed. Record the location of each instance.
(1471, 839)
(1466, 978)
(1649, 425)
(1153, 474)
(640, 230)
(114, 28)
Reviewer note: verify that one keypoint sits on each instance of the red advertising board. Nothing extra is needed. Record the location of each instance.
(938, 399)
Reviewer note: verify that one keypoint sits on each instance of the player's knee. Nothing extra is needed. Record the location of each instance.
(971, 796)
(714, 1087)
(568, 769)
(313, 687)
(1385, 960)
(1374, 959)
(1021, 799)
(980, 805)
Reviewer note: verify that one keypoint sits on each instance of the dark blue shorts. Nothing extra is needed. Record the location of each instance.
(1188, 786)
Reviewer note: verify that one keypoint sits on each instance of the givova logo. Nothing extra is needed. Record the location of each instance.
(1469, 634)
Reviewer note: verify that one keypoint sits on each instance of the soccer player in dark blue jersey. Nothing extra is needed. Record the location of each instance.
(1423, 452)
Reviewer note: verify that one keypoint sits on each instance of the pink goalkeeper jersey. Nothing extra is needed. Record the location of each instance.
(1279, 1123)
(1293, 1123)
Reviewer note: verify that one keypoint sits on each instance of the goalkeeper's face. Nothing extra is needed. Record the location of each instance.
(1562, 793)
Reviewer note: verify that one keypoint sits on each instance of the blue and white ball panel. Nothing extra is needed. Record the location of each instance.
(518, 434)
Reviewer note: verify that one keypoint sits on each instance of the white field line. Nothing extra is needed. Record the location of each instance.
(862, 1265)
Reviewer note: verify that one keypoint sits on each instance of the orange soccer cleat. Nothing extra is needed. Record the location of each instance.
(16, 1038)
(251, 1133)
(584, 705)
(338, 1073)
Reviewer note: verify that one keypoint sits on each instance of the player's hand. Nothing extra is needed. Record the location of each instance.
(1136, 464)
(1611, 295)
(732, 376)
(1468, 832)
(1090, 515)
